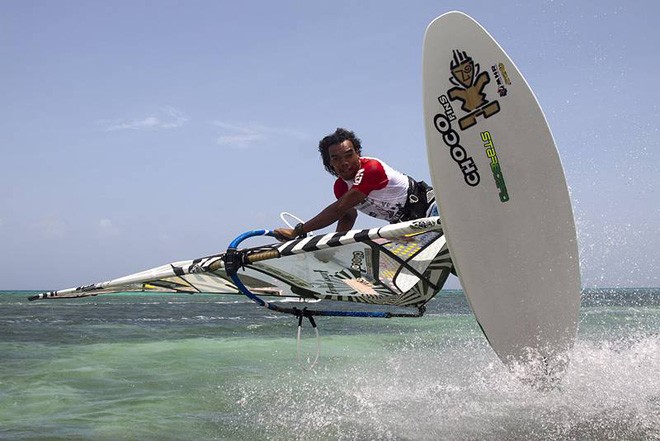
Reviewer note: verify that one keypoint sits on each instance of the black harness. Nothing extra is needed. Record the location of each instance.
(420, 197)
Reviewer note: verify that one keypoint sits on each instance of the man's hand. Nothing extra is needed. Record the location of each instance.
(284, 234)
(340, 210)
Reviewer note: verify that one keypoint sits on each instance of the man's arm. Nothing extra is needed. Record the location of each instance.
(347, 221)
(343, 210)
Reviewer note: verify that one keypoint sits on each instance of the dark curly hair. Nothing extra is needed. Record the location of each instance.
(338, 137)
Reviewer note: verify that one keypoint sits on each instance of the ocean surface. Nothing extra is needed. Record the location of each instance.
(209, 367)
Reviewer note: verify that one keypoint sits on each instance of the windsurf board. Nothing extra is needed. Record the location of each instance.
(502, 194)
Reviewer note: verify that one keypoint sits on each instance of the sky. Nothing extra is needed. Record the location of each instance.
(137, 133)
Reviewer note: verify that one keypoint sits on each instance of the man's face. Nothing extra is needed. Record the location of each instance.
(344, 160)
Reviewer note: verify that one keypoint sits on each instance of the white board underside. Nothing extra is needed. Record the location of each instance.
(510, 231)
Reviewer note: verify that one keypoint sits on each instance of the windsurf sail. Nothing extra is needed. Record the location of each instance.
(402, 265)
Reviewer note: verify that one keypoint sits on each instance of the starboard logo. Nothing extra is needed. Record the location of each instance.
(495, 167)
(469, 90)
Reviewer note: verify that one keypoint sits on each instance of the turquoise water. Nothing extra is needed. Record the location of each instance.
(207, 367)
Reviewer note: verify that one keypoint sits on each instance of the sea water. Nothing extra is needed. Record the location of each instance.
(207, 367)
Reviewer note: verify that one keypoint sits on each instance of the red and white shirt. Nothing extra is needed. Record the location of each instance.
(386, 189)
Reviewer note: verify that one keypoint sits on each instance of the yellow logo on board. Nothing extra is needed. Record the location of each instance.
(469, 90)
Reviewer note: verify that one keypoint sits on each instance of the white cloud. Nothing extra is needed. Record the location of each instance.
(164, 118)
(239, 136)
(243, 136)
(107, 228)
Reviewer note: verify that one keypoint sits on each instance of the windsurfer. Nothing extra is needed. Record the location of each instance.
(364, 184)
